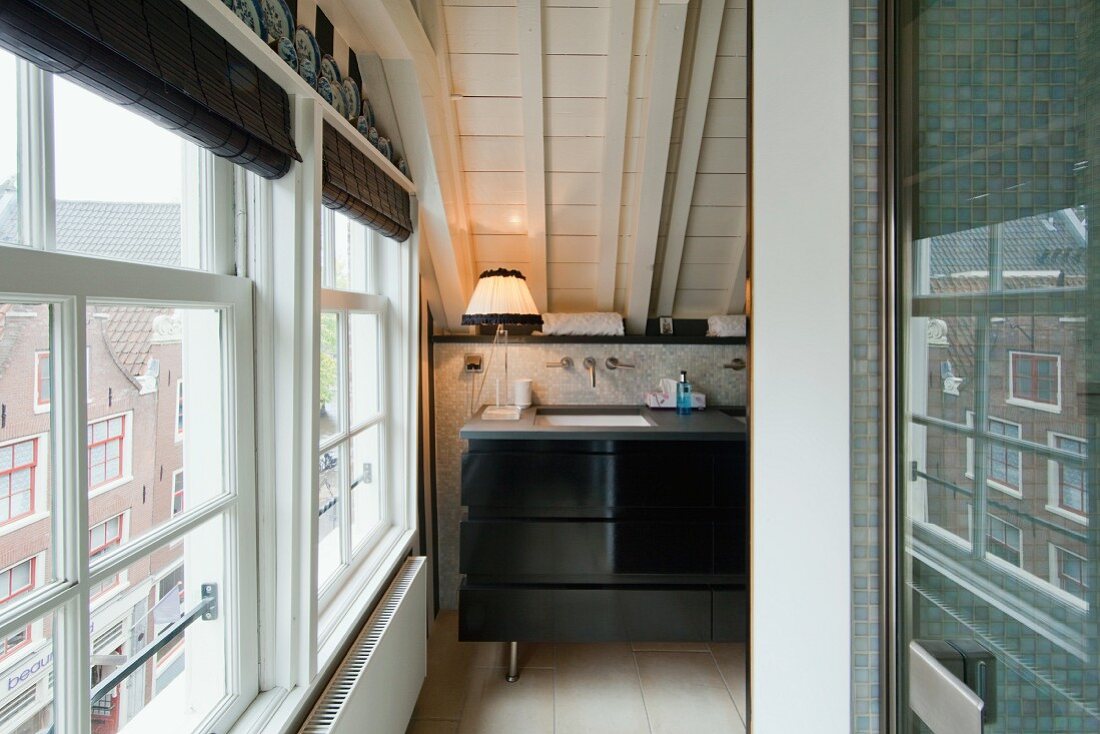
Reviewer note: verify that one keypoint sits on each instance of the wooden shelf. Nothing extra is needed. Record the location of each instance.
(629, 339)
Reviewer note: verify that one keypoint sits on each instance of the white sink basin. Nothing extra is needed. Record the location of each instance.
(593, 420)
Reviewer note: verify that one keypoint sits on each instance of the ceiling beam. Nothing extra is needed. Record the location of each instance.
(663, 71)
(708, 32)
(529, 30)
(738, 290)
(620, 49)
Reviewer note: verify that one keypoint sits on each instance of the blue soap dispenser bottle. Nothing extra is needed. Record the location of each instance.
(683, 394)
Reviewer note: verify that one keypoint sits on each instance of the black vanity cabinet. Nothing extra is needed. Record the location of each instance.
(594, 539)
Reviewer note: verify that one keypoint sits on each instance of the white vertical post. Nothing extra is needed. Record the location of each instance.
(69, 420)
(800, 394)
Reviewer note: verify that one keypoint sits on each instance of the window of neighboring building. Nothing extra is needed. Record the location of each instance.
(1004, 465)
(177, 492)
(1003, 541)
(1071, 572)
(14, 581)
(170, 583)
(106, 441)
(1072, 486)
(18, 464)
(1035, 380)
(42, 379)
(179, 410)
(102, 539)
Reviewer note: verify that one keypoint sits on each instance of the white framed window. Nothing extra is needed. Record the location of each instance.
(42, 381)
(1004, 470)
(177, 492)
(105, 538)
(109, 453)
(19, 472)
(352, 506)
(1067, 482)
(120, 307)
(179, 410)
(1035, 381)
(16, 580)
(1069, 571)
(1003, 540)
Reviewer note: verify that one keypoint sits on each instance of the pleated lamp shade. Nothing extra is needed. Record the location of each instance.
(501, 297)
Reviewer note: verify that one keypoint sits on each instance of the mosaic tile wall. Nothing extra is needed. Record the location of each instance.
(866, 366)
(554, 386)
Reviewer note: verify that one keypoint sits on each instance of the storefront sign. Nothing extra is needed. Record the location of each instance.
(18, 676)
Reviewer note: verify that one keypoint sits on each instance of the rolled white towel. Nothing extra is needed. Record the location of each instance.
(726, 325)
(582, 324)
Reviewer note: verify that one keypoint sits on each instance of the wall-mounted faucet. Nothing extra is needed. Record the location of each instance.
(735, 364)
(566, 363)
(590, 365)
(613, 363)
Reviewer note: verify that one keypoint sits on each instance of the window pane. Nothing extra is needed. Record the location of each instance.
(182, 683)
(331, 390)
(9, 151)
(366, 484)
(25, 445)
(118, 181)
(137, 354)
(344, 260)
(329, 514)
(364, 359)
(26, 664)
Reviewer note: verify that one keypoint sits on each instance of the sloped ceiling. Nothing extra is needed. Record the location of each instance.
(602, 147)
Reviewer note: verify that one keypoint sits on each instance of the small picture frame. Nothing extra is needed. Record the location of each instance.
(666, 325)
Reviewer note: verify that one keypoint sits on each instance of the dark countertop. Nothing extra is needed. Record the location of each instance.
(711, 424)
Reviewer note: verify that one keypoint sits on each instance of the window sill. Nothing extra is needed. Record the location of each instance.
(1067, 514)
(22, 522)
(1045, 407)
(280, 709)
(105, 488)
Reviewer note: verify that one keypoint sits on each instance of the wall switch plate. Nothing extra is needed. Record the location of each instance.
(472, 362)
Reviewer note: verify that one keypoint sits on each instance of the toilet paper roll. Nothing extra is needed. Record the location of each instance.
(522, 390)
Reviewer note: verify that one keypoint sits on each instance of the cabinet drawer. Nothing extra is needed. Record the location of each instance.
(548, 614)
(731, 615)
(686, 478)
(596, 548)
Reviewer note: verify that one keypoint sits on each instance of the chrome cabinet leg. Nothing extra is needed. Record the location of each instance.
(513, 662)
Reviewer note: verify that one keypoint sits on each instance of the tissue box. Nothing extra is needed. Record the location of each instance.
(664, 400)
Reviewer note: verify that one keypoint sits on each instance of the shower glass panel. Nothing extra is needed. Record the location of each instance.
(999, 384)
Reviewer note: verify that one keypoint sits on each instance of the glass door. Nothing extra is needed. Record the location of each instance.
(999, 378)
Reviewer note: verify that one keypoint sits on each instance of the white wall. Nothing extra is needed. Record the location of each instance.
(800, 676)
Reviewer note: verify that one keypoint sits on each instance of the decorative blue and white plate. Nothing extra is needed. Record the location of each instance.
(278, 20)
(372, 136)
(352, 100)
(285, 48)
(404, 168)
(249, 11)
(337, 100)
(308, 50)
(362, 126)
(331, 70)
(386, 148)
(307, 72)
(325, 89)
(368, 112)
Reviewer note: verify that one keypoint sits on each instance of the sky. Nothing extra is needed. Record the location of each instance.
(103, 152)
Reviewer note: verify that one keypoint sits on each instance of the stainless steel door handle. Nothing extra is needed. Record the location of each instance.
(943, 702)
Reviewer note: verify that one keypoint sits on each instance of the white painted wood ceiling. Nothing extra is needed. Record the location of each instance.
(602, 148)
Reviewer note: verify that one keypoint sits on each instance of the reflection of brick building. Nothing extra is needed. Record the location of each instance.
(1036, 373)
(135, 461)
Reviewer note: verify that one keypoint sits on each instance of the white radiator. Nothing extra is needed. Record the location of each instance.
(375, 687)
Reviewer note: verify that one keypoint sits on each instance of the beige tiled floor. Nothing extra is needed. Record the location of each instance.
(613, 688)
